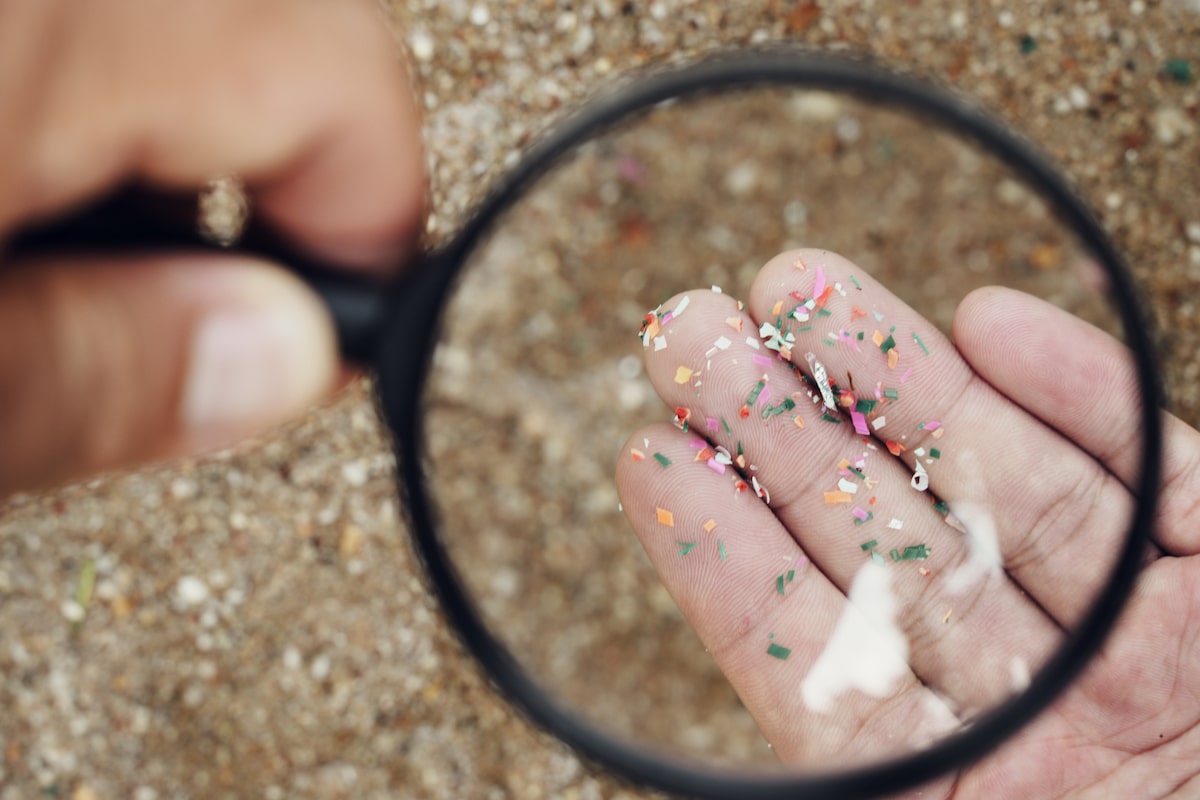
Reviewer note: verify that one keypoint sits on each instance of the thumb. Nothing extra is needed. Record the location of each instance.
(110, 363)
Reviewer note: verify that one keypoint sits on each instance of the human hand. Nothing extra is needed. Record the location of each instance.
(1038, 413)
(106, 361)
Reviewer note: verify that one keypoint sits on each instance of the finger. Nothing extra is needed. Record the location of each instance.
(109, 363)
(768, 616)
(980, 450)
(307, 102)
(1082, 382)
(844, 499)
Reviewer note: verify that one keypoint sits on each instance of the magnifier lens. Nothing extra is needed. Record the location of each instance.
(823, 440)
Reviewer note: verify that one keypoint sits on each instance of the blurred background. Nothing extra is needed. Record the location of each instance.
(259, 626)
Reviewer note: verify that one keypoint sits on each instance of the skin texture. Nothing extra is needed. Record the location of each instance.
(1059, 394)
(307, 102)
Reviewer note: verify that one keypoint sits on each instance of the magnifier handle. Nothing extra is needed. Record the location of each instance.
(139, 220)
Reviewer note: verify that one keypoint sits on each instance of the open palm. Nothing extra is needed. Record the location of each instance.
(866, 432)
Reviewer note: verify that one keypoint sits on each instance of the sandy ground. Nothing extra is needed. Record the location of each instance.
(259, 626)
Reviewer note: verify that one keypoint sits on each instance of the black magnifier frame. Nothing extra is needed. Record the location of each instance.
(393, 329)
(408, 342)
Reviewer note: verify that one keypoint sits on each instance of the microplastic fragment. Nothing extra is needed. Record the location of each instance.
(869, 545)
(920, 344)
(636, 455)
(762, 361)
(891, 394)
(798, 420)
(831, 418)
(860, 423)
(893, 357)
(721, 548)
(819, 285)
(847, 486)
(859, 513)
(896, 524)
(935, 453)
(920, 478)
(854, 280)
(777, 651)
(683, 374)
(833, 498)
(821, 378)
(756, 391)
(725, 425)
(660, 343)
(722, 343)
(941, 507)
(877, 338)
(665, 517)
(750, 340)
(949, 614)
(716, 466)
(711, 423)
(685, 547)
(735, 323)
(779, 584)
(878, 423)
(777, 309)
(663, 460)
(683, 304)
(865, 406)
(710, 525)
(888, 344)
(915, 552)
(870, 516)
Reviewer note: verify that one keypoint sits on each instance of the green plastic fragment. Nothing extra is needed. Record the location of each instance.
(888, 343)
(778, 651)
(870, 516)
(915, 552)
(685, 547)
(755, 392)
(721, 548)
(891, 394)
(935, 453)
(1178, 70)
(921, 344)
(864, 406)
(869, 545)
(854, 280)
(661, 459)
(831, 418)
(779, 584)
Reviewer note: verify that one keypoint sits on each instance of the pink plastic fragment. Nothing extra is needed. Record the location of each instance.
(712, 424)
(762, 361)
(859, 513)
(860, 423)
(819, 286)
(716, 466)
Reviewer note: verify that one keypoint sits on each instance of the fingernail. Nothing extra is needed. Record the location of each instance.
(251, 367)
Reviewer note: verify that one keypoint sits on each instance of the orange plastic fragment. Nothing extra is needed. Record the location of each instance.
(833, 498)
(895, 448)
(665, 517)
(710, 526)
(893, 358)
(636, 455)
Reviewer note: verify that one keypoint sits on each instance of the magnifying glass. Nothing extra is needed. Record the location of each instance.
(825, 565)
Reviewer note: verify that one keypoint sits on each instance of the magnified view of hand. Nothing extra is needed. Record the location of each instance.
(851, 510)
